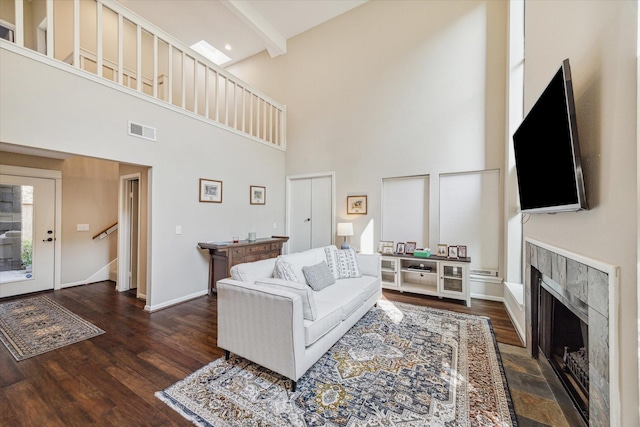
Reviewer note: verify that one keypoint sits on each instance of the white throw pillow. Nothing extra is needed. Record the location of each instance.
(309, 311)
(342, 262)
(284, 270)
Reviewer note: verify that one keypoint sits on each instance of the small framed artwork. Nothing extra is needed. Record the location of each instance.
(409, 247)
(357, 205)
(442, 250)
(257, 195)
(453, 252)
(384, 243)
(388, 250)
(210, 191)
(462, 251)
(400, 248)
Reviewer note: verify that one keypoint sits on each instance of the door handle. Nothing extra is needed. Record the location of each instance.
(307, 220)
(50, 239)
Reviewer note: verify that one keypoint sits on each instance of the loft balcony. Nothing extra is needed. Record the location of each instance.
(104, 39)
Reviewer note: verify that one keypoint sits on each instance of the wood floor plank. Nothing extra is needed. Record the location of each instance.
(110, 380)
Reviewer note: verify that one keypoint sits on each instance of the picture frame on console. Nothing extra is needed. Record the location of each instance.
(387, 250)
(257, 195)
(210, 191)
(409, 248)
(442, 250)
(462, 251)
(356, 205)
(400, 248)
(453, 252)
(383, 244)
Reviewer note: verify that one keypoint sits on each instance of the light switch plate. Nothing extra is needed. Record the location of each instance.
(178, 229)
(82, 227)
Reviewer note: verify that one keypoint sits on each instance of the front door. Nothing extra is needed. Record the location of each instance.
(27, 234)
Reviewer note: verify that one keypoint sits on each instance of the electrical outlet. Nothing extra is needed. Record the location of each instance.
(178, 229)
(82, 227)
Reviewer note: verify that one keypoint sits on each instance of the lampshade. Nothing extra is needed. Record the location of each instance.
(345, 229)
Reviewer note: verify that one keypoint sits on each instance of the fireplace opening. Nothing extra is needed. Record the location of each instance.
(564, 341)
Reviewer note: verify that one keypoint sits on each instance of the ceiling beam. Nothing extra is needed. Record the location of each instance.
(275, 43)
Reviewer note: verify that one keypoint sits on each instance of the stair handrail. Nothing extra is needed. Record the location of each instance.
(106, 231)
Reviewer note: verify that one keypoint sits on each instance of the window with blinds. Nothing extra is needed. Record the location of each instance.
(470, 215)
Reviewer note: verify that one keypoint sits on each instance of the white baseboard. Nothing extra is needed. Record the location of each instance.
(152, 308)
(488, 297)
(99, 276)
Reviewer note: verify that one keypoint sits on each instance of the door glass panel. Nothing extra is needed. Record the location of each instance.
(16, 232)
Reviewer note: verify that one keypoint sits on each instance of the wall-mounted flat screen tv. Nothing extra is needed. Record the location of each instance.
(547, 151)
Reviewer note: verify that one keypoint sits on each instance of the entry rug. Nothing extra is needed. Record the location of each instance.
(400, 365)
(33, 326)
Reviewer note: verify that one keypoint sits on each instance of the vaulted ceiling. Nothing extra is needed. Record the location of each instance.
(247, 26)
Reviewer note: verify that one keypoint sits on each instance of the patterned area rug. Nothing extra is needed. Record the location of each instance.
(33, 326)
(399, 365)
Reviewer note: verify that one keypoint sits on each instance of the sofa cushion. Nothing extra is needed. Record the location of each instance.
(284, 270)
(302, 259)
(342, 262)
(318, 276)
(252, 271)
(329, 316)
(345, 294)
(308, 302)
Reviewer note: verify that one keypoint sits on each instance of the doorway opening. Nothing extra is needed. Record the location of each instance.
(129, 234)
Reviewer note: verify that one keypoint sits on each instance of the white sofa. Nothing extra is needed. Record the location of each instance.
(265, 323)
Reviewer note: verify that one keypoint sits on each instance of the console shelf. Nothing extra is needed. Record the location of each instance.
(437, 276)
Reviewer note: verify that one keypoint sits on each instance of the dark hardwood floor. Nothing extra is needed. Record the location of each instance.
(111, 379)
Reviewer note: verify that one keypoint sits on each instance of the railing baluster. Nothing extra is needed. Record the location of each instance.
(170, 77)
(138, 58)
(184, 81)
(50, 29)
(19, 15)
(120, 49)
(155, 66)
(99, 54)
(206, 90)
(76, 33)
(195, 85)
(264, 120)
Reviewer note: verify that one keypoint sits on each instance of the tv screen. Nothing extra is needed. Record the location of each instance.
(547, 151)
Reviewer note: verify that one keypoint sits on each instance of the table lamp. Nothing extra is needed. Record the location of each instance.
(345, 229)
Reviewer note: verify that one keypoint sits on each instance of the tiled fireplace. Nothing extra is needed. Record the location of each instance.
(568, 323)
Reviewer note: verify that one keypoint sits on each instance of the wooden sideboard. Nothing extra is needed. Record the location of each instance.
(225, 255)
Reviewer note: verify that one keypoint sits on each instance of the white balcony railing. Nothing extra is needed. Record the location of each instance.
(104, 38)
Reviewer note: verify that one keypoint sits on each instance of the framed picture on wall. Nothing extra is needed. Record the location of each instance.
(210, 191)
(257, 195)
(462, 251)
(409, 247)
(442, 250)
(357, 205)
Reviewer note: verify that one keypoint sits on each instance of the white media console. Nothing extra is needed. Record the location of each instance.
(438, 276)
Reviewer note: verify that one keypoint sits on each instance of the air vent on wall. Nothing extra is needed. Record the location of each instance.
(142, 131)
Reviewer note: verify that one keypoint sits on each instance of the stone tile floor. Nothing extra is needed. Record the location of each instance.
(537, 402)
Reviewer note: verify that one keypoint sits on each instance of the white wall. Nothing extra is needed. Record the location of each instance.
(392, 89)
(599, 38)
(55, 109)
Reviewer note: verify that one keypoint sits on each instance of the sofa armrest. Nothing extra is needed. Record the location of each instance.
(369, 264)
(262, 324)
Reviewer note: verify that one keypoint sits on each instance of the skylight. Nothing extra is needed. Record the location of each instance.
(210, 52)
